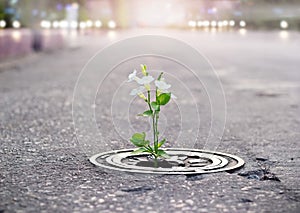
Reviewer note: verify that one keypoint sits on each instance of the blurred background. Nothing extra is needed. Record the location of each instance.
(36, 25)
(256, 14)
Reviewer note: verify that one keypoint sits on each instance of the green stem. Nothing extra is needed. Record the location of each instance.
(148, 101)
(155, 122)
(156, 127)
(153, 125)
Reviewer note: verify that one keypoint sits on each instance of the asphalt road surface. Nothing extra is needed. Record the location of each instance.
(44, 165)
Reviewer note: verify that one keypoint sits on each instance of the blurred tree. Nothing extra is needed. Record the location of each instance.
(2, 8)
(6, 12)
(31, 12)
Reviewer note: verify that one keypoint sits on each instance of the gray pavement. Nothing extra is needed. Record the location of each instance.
(45, 169)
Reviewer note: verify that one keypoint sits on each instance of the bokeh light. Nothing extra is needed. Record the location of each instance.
(284, 24)
(242, 23)
(112, 24)
(16, 24)
(2, 23)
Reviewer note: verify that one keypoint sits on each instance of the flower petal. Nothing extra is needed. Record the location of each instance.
(134, 92)
(145, 80)
(137, 91)
(162, 85)
(132, 76)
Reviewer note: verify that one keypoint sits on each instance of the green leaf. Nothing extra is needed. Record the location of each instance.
(147, 113)
(147, 143)
(138, 139)
(162, 153)
(139, 136)
(164, 98)
(161, 142)
(150, 148)
(140, 150)
(155, 106)
(140, 143)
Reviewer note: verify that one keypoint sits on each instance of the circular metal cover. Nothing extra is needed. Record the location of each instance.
(181, 161)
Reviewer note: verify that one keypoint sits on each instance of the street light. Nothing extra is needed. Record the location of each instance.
(242, 23)
(231, 23)
(63, 24)
(16, 24)
(192, 23)
(220, 24)
(213, 23)
(45, 24)
(89, 23)
(98, 24)
(200, 23)
(225, 23)
(111, 24)
(2, 24)
(74, 24)
(206, 23)
(55, 24)
(284, 24)
(82, 25)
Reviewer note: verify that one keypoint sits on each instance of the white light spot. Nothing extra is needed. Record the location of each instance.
(225, 23)
(82, 25)
(2, 24)
(220, 24)
(284, 24)
(16, 24)
(74, 24)
(63, 24)
(45, 24)
(199, 23)
(111, 24)
(55, 24)
(89, 23)
(206, 23)
(213, 23)
(242, 23)
(98, 24)
(192, 23)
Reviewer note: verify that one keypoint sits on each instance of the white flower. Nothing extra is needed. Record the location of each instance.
(161, 85)
(137, 91)
(144, 80)
(132, 76)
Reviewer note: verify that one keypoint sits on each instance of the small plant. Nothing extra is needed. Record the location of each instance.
(162, 97)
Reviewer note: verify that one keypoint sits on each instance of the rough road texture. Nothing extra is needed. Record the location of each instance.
(43, 168)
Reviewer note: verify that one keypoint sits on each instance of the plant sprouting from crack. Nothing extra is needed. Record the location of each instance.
(162, 97)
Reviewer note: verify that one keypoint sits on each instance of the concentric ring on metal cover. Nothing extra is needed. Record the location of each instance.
(181, 161)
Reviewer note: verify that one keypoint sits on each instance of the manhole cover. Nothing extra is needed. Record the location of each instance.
(181, 161)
